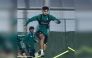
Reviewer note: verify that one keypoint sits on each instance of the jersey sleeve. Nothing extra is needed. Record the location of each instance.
(52, 18)
(31, 19)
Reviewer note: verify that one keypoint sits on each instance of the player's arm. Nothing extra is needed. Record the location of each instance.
(30, 20)
(57, 21)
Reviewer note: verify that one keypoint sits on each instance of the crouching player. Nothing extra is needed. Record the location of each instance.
(21, 47)
(29, 42)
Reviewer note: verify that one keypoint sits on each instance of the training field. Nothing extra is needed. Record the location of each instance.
(58, 42)
(64, 45)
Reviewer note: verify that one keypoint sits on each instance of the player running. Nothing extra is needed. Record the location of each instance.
(42, 32)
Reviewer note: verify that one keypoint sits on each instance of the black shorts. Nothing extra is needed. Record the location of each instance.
(46, 37)
(22, 50)
(31, 53)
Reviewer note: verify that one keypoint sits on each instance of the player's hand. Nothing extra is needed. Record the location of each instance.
(29, 46)
(55, 21)
(25, 27)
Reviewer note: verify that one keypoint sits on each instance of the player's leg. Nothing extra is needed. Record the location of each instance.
(19, 52)
(42, 38)
(45, 42)
(30, 53)
(45, 47)
(23, 52)
(33, 52)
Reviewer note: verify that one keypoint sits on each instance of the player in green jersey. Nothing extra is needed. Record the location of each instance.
(43, 21)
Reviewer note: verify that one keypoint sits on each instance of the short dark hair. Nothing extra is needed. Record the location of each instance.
(31, 27)
(45, 8)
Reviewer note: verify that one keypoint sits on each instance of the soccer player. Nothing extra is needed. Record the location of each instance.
(21, 47)
(42, 32)
(29, 42)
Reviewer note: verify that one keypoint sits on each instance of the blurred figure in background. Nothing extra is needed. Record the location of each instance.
(29, 42)
(21, 51)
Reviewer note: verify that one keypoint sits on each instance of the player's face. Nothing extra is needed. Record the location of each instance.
(31, 30)
(45, 12)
